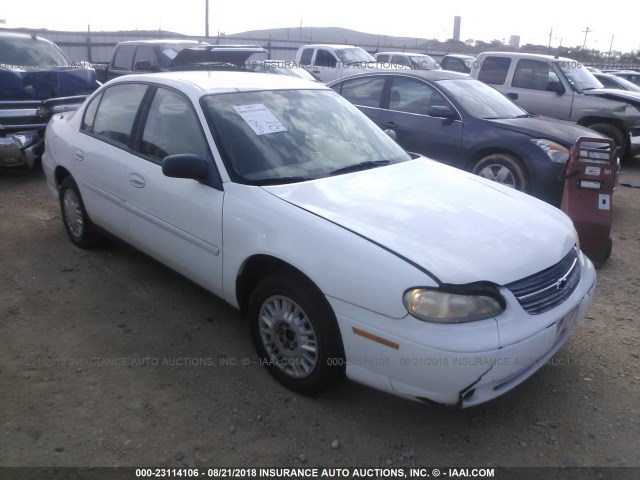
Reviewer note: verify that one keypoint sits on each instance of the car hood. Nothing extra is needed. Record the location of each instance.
(560, 131)
(45, 83)
(615, 94)
(458, 227)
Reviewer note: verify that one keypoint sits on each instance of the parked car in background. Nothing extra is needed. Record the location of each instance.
(457, 63)
(562, 88)
(328, 62)
(629, 75)
(345, 254)
(414, 61)
(460, 121)
(280, 67)
(609, 80)
(36, 80)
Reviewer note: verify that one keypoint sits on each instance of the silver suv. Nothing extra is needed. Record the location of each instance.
(563, 88)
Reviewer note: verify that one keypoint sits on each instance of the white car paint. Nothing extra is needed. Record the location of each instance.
(362, 238)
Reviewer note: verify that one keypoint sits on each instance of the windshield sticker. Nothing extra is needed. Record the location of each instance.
(170, 53)
(260, 119)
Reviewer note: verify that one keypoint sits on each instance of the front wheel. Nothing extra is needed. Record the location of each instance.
(503, 168)
(295, 333)
(74, 216)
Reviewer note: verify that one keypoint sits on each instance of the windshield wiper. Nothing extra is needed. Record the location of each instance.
(360, 166)
(525, 115)
(279, 180)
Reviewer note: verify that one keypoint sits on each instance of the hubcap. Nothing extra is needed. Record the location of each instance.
(288, 336)
(73, 213)
(500, 174)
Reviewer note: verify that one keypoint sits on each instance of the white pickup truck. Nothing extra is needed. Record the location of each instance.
(329, 62)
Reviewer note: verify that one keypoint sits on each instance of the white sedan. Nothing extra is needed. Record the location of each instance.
(346, 254)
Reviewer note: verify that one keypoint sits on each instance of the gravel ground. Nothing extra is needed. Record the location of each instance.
(109, 359)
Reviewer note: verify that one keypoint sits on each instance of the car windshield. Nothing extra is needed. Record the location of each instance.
(286, 136)
(280, 68)
(355, 54)
(578, 76)
(424, 62)
(31, 53)
(480, 100)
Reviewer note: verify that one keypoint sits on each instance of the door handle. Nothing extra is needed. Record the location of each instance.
(512, 96)
(137, 180)
(78, 155)
(389, 124)
(315, 71)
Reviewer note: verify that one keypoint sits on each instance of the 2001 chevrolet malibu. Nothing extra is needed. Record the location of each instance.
(346, 254)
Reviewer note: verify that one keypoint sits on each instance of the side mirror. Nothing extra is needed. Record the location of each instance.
(555, 86)
(391, 134)
(185, 165)
(441, 111)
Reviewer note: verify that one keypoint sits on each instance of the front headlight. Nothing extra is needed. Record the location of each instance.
(26, 139)
(556, 152)
(465, 304)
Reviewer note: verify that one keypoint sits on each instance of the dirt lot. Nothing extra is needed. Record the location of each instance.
(107, 358)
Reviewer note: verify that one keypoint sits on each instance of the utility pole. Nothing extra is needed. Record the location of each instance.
(206, 19)
(586, 32)
(611, 44)
(550, 34)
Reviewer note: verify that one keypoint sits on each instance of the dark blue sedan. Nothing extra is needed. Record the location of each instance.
(455, 119)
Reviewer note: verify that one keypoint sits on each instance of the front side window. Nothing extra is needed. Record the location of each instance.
(398, 60)
(382, 58)
(533, 74)
(287, 136)
(365, 92)
(494, 70)
(117, 112)
(172, 127)
(325, 59)
(412, 96)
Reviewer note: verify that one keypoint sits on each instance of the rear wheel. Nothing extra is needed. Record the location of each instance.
(295, 333)
(503, 168)
(74, 216)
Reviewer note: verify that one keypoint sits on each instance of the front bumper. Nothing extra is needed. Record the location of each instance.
(463, 364)
(14, 154)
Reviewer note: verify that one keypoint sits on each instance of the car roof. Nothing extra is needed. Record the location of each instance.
(24, 36)
(408, 54)
(166, 41)
(432, 75)
(328, 45)
(198, 83)
(535, 56)
(458, 55)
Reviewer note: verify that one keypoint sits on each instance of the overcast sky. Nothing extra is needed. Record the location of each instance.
(481, 20)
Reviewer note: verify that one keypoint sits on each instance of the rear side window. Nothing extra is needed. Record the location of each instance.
(305, 58)
(123, 58)
(117, 112)
(494, 70)
(533, 74)
(366, 92)
(90, 114)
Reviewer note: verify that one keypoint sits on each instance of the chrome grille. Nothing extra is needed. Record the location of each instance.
(548, 288)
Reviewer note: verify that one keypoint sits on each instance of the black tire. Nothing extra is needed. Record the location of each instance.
(277, 300)
(76, 221)
(614, 133)
(503, 168)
